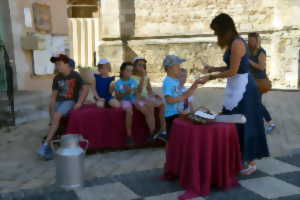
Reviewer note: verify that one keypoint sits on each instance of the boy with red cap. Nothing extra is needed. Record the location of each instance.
(68, 92)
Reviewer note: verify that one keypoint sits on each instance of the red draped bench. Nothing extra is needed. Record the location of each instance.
(105, 127)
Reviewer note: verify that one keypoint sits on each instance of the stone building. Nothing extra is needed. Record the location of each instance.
(156, 28)
(26, 28)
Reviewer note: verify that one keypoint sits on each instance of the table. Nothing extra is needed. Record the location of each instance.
(202, 156)
(105, 127)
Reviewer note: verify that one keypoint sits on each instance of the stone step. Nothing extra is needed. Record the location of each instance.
(31, 115)
(29, 106)
(31, 98)
(5, 115)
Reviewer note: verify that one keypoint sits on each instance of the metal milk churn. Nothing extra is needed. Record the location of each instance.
(69, 159)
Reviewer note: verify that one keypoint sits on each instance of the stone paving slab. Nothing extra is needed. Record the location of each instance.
(147, 185)
(270, 187)
(112, 191)
(273, 166)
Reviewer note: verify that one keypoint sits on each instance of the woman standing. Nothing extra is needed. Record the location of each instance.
(258, 69)
(241, 93)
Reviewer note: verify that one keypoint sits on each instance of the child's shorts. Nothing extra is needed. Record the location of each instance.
(64, 107)
(126, 104)
(129, 104)
(139, 102)
(154, 100)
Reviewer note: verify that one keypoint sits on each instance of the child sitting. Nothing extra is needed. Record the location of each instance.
(68, 91)
(102, 86)
(125, 89)
(174, 97)
(188, 103)
(146, 93)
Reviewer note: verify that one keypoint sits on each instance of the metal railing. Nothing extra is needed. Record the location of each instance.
(6, 68)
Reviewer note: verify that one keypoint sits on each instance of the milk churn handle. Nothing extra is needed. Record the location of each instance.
(53, 142)
(86, 144)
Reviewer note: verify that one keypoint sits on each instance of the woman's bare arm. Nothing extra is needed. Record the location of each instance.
(238, 50)
(261, 65)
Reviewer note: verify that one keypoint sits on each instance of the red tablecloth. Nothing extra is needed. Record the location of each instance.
(202, 156)
(105, 127)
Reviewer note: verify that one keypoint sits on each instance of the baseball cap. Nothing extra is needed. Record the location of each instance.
(71, 63)
(171, 60)
(64, 58)
(103, 61)
(138, 58)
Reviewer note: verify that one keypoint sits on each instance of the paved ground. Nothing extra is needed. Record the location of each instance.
(124, 175)
(20, 168)
(135, 174)
(276, 179)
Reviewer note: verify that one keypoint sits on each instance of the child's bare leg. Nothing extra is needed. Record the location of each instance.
(162, 117)
(114, 103)
(128, 121)
(54, 126)
(148, 112)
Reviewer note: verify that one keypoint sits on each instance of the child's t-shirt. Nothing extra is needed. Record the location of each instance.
(68, 87)
(119, 86)
(103, 85)
(171, 87)
(144, 92)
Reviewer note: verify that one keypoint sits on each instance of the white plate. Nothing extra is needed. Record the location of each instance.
(202, 114)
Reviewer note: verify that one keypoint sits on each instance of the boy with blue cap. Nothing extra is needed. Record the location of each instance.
(174, 97)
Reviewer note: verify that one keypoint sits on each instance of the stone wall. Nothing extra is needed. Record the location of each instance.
(23, 59)
(177, 17)
(162, 27)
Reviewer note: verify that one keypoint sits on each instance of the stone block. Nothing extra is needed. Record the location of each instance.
(114, 52)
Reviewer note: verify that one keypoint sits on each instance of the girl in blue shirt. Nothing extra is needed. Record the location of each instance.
(126, 92)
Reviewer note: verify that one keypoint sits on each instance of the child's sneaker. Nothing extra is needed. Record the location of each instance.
(163, 136)
(45, 152)
(270, 128)
(156, 135)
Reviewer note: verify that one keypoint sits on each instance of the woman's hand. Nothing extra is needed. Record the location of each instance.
(208, 69)
(251, 62)
(202, 80)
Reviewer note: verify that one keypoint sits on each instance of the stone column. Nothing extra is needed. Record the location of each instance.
(110, 45)
(117, 26)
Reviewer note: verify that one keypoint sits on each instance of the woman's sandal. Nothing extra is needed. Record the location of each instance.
(248, 171)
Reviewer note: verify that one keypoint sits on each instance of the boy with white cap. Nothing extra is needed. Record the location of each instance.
(103, 87)
(174, 97)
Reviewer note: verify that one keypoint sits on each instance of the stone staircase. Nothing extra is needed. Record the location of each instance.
(29, 106)
(5, 116)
